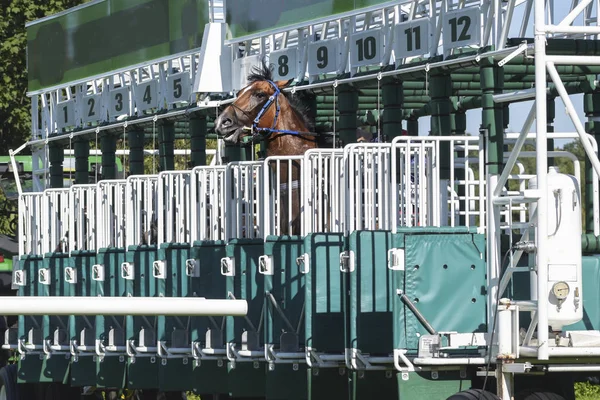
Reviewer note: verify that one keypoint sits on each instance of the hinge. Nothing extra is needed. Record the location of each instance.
(98, 272)
(70, 275)
(192, 268)
(303, 263)
(159, 269)
(19, 278)
(228, 266)
(44, 276)
(396, 259)
(265, 265)
(127, 271)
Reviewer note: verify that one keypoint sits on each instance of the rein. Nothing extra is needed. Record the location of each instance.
(266, 132)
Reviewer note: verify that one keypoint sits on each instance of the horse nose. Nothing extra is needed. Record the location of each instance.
(226, 122)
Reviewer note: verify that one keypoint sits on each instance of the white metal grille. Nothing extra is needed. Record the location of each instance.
(283, 195)
(55, 220)
(111, 213)
(243, 196)
(82, 225)
(30, 226)
(208, 204)
(175, 211)
(142, 196)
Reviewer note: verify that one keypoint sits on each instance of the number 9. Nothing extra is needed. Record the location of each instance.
(322, 57)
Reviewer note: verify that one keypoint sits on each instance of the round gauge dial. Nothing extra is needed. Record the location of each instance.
(560, 290)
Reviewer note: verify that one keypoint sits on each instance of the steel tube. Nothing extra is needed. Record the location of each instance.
(167, 306)
(573, 368)
(531, 351)
(451, 361)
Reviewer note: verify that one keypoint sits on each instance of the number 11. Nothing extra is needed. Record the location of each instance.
(409, 38)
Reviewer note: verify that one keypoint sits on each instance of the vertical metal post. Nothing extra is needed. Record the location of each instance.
(542, 176)
(135, 138)
(550, 115)
(56, 156)
(82, 154)
(459, 128)
(392, 99)
(347, 107)
(441, 124)
(108, 144)
(198, 128)
(591, 107)
(166, 145)
(412, 126)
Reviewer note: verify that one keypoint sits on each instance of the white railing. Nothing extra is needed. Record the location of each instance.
(55, 220)
(30, 223)
(243, 199)
(208, 203)
(175, 211)
(141, 198)
(323, 185)
(283, 195)
(111, 213)
(83, 233)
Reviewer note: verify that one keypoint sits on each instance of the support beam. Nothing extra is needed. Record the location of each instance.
(82, 155)
(198, 128)
(440, 90)
(492, 120)
(591, 107)
(347, 107)
(135, 138)
(108, 145)
(391, 120)
(56, 156)
(166, 145)
(550, 115)
(412, 126)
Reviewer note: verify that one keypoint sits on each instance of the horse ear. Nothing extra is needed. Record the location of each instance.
(284, 84)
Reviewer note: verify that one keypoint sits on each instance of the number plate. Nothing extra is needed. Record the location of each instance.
(285, 65)
(462, 28)
(65, 114)
(366, 48)
(119, 102)
(91, 108)
(178, 87)
(323, 56)
(411, 38)
(146, 96)
(241, 68)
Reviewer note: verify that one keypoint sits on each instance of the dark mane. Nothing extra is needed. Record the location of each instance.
(264, 72)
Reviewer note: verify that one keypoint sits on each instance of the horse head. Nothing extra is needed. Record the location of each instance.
(257, 107)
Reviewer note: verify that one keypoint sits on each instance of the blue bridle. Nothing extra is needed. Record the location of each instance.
(266, 132)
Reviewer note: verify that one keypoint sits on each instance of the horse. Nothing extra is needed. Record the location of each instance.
(262, 109)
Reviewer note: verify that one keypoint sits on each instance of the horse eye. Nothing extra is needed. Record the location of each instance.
(260, 95)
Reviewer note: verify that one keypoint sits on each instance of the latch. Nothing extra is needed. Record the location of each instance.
(127, 271)
(347, 261)
(228, 266)
(192, 268)
(265, 265)
(19, 278)
(70, 275)
(98, 272)
(303, 263)
(159, 269)
(396, 259)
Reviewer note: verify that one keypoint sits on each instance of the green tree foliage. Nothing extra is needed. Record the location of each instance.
(15, 116)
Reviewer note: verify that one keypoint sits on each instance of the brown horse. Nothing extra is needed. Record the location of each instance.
(263, 110)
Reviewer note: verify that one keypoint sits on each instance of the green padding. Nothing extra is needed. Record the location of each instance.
(445, 385)
(371, 289)
(327, 383)
(445, 279)
(210, 378)
(417, 230)
(326, 288)
(591, 295)
(373, 385)
(286, 383)
(33, 370)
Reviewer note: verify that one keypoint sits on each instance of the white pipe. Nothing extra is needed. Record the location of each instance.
(574, 60)
(568, 20)
(592, 30)
(167, 306)
(452, 361)
(542, 173)
(514, 96)
(504, 328)
(573, 368)
(531, 351)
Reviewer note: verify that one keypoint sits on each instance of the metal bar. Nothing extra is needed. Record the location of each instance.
(138, 306)
(417, 314)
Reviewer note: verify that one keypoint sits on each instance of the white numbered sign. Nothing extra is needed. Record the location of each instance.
(119, 102)
(411, 38)
(146, 96)
(284, 63)
(323, 56)
(462, 27)
(178, 87)
(91, 108)
(65, 114)
(366, 48)
(241, 68)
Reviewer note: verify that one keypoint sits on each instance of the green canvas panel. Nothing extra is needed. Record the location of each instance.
(326, 288)
(422, 385)
(143, 373)
(398, 308)
(32, 370)
(445, 280)
(327, 383)
(176, 375)
(210, 377)
(83, 371)
(373, 384)
(244, 379)
(371, 293)
(285, 382)
(111, 371)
